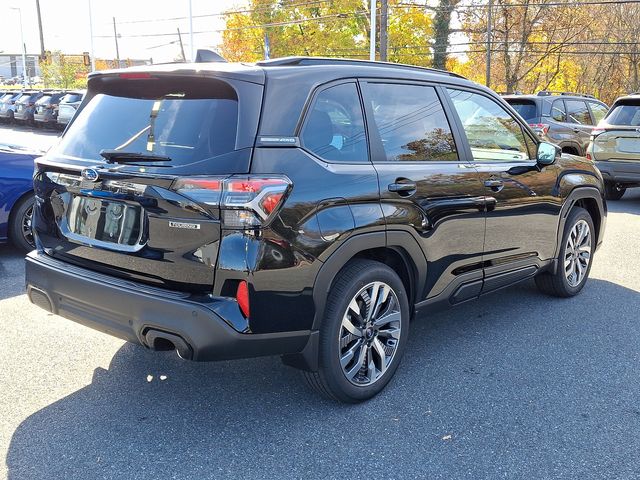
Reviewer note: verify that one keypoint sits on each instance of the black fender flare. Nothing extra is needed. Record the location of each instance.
(366, 241)
(580, 193)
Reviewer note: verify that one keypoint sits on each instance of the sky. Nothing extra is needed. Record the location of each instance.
(66, 26)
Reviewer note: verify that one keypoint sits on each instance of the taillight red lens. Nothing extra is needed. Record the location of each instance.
(242, 296)
(543, 128)
(245, 201)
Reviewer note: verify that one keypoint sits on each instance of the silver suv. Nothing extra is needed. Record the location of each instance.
(563, 118)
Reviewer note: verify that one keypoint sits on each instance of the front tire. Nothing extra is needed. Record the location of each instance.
(363, 333)
(20, 225)
(575, 258)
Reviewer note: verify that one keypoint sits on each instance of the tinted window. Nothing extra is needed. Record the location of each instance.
(44, 100)
(492, 132)
(558, 112)
(577, 112)
(625, 114)
(598, 111)
(525, 108)
(411, 123)
(185, 129)
(71, 98)
(334, 128)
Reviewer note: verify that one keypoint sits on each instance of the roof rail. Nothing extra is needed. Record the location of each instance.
(546, 93)
(302, 61)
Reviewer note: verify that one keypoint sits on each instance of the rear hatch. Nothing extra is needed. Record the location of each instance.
(127, 218)
(617, 137)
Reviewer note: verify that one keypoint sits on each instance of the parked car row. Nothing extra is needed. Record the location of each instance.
(53, 108)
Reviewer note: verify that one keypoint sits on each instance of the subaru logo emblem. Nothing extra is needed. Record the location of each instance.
(90, 174)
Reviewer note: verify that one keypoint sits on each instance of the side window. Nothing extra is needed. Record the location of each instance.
(411, 123)
(493, 134)
(558, 112)
(598, 110)
(334, 128)
(577, 112)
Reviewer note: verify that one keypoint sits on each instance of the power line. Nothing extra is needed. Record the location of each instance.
(530, 5)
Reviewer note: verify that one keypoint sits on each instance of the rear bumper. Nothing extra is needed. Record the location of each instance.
(44, 118)
(621, 172)
(142, 314)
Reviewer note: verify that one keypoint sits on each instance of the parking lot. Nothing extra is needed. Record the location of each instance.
(515, 385)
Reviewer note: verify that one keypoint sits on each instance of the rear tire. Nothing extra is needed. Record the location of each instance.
(20, 224)
(363, 334)
(575, 258)
(613, 191)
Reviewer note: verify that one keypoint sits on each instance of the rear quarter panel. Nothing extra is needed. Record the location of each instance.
(16, 171)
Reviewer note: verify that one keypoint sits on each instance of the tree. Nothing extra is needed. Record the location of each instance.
(60, 71)
(337, 28)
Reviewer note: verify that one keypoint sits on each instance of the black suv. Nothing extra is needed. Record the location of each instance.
(302, 207)
(563, 118)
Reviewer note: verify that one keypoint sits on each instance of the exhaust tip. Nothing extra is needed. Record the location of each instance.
(160, 340)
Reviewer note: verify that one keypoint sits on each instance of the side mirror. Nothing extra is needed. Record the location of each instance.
(547, 153)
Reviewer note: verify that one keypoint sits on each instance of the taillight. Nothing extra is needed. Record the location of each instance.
(540, 128)
(588, 156)
(244, 201)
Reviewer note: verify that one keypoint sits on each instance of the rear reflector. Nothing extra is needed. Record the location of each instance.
(242, 296)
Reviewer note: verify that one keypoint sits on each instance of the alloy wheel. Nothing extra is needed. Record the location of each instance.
(577, 253)
(369, 334)
(27, 233)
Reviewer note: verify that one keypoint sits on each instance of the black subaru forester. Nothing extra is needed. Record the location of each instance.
(302, 207)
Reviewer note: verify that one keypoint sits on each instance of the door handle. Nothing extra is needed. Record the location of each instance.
(404, 188)
(494, 184)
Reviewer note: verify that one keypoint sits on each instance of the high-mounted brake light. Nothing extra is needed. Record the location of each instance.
(245, 201)
(134, 75)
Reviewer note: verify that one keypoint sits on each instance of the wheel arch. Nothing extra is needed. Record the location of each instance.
(12, 210)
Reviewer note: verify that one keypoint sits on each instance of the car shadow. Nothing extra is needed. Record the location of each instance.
(629, 203)
(515, 368)
(11, 271)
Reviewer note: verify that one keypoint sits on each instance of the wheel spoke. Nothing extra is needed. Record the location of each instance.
(393, 317)
(373, 300)
(379, 348)
(350, 353)
(348, 325)
(362, 355)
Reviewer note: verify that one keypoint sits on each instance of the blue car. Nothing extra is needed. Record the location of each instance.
(16, 195)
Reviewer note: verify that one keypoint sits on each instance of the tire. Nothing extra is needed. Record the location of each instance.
(19, 221)
(359, 280)
(569, 278)
(613, 191)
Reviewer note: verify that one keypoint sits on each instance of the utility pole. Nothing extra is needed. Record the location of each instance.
(184, 59)
(93, 57)
(487, 80)
(372, 33)
(40, 28)
(193, 57)
(24, 48)
(115, 36)
(384, 21)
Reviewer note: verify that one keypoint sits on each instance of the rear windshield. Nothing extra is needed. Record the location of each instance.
(43, 100)
(625, 114)
(525, 108)
(71, 98)
(185, 125)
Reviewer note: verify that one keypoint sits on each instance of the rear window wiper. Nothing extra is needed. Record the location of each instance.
(118, 156)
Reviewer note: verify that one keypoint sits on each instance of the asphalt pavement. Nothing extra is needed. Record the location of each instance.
(515, 385)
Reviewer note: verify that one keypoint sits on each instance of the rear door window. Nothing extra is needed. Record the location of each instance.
(411, 123)
(558, 112)
(578, 112)
(525, 108)
(334, 127)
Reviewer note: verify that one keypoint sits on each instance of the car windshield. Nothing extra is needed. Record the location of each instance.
(185, 129)
(525, 108)
(44, 100)
(627, 114)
